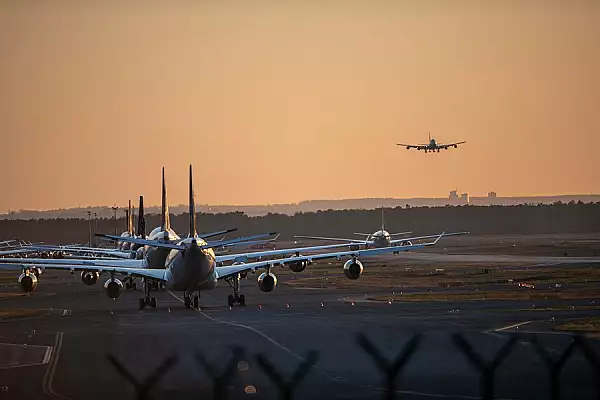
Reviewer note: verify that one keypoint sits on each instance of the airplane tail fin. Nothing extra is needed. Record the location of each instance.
(429, 136)
(165, 221)
(141, 227)
(132, 221)
(192, 205)
(382, 220)
(127, 215)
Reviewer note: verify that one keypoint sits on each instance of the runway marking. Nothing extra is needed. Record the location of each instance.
(512, 326)
(47, 355)
(44, 361)
(261, 334)
(49, 375)
(336, 379)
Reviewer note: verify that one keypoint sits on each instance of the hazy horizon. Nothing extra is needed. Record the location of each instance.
(134, 202)
(277, 103)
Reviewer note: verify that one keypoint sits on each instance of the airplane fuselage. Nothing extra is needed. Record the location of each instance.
(379, 239)
(191, 269)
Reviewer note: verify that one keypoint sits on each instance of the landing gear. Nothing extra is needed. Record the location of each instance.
(236, 297)
(190, 301)
(147, 300)
(130, 283)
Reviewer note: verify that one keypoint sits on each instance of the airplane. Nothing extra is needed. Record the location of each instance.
(192, 267)
(432, 146)
(379, 239)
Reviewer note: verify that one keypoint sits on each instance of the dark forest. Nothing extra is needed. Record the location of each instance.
(522, 219)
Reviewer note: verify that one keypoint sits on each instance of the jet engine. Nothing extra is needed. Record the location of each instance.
(298, 266)
(28, 282)
(89, 277)
(113, 288)
(353, 269)
(267, 282)
(139, 254)
(406, 243)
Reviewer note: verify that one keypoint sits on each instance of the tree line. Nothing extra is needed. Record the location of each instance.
(521, 219)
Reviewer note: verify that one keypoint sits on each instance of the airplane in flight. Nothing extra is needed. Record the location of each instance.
(192, 266)
(379, 239)
(432, 146)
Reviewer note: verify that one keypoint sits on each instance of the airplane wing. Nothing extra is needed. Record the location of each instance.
(225, 272)
(357, 241)
(243, 257)
(218, 233)
(445, 146)
(413, 146)
(158, 274)
(154, 243)
(80, 262)
(16, 251)
(111, 252)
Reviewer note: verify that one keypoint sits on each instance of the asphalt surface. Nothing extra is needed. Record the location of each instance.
(63, 353)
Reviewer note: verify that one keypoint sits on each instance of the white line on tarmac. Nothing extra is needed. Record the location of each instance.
(47, 355)
(330, 377)
(505, 328)
(49, 375)
(264, 336)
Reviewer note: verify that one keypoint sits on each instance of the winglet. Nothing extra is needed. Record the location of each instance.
(438, 238)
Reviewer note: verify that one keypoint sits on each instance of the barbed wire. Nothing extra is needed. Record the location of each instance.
(391, 371)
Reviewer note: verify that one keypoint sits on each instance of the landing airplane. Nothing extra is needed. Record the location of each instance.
(432, 146)
(191, 266)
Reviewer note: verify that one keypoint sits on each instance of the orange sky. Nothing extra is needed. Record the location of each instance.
(284, 101)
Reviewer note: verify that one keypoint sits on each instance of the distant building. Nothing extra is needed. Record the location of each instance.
(453, 195)
(464, 197)
(492, 195)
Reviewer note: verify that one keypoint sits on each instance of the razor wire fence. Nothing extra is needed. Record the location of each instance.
(391, 371)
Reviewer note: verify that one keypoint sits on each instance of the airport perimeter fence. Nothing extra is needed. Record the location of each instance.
(391, 370)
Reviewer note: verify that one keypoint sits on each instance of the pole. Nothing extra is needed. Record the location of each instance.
(115, 208)
(90, 226)
(96, 230)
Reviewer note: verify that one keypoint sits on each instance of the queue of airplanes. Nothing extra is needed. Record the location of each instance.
(191, 265)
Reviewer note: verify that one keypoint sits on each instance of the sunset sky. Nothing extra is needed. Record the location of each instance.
(283, 101)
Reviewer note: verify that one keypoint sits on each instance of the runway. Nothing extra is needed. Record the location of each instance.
(81, 327)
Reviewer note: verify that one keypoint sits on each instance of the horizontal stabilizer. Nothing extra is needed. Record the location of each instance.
(235, 241)
(401, 233)
(143, 242)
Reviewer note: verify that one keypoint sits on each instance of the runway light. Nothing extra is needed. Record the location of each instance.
(389, 302)
(260, 306)
(287, 305)
(352, 303)
(250, 389)
(322, 304)
(169, 309)
(229, 308)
